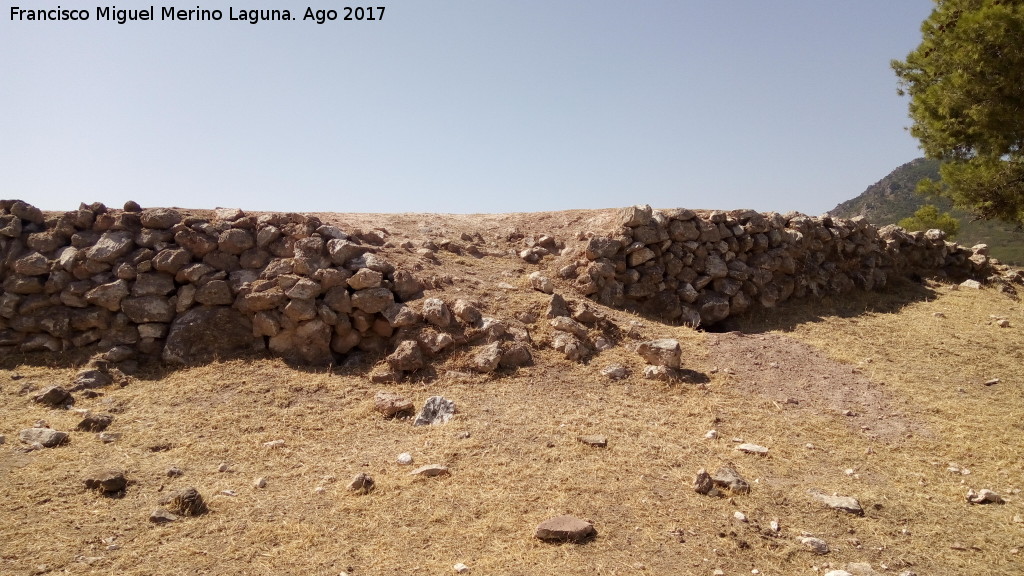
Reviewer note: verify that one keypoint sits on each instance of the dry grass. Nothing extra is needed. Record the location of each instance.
(515, 458)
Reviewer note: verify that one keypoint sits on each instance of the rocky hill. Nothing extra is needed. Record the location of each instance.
(894, 197)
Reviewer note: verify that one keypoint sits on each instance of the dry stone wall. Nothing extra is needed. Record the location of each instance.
(701, 267)
(163, 283)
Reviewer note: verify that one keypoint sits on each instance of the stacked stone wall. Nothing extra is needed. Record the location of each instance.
(185, 288)
(702, 267)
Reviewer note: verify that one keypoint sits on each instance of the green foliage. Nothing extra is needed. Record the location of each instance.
(893, 198)
(928, 217)
(966, 88)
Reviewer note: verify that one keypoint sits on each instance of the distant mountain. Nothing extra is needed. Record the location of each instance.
(894, 197)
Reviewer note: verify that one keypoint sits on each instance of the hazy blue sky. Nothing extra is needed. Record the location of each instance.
(460, 106)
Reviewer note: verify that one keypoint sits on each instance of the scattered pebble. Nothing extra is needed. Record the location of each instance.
(174, 472)
(460, 568)
(615, 372)
(162, 516)
(992, 382)
(272, 444)
(844, 503)
(109, 437)
(260, 482)
(405, 458)
(739, 516)
(224, 467)
(229, 492)
(711, 434)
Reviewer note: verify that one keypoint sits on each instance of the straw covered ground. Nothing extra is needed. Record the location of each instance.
(880, 396)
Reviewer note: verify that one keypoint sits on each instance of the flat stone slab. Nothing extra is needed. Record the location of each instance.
(752, 449)
(47, 437)
(565, 529)
(844, 503)
(595, 441)
(430, 471)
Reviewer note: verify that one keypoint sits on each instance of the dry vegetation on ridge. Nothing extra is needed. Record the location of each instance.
(515, 459)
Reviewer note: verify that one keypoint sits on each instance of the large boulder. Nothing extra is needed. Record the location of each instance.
(208, 332)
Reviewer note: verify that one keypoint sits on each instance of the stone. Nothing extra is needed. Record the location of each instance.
(436, 410)
(145, 309)
(727, 477)
(108, 295)
(10, 226)
(434, 342)
(660, 373)
(634, 216)
(430, 471)
(95, 422)
(838, 573)
(159, 218)
(153, 284)
(406, 286)
(844, 503)
(106, 481)
(404, 459)
(235, 241)
(740, 516)
(111, 246)
(615, 372)
(541, 283)
(486, 359)
(362, 483)
(711, 435)
(187, 502)
(214, 293)
(91, 378)
(32, 264)
(594, 440)
(373, 300)
(703, 484)
(661, 352)
(204, 334)
(162, 516)
(309, 344)
(565, 529)
(53, 396)
(436, 312)
(816, 545)
(566, 324)
(971, 284)
(515, 355)
(460, 568)
(401, 315)
(260, 482)
(109, 437)
(748, 448)
(984, 496)
(557, 307)
(47, 437)
(392, 405)
(171, 260)
(365, 278)
(466, 312)
(407, 357)
(574, 349)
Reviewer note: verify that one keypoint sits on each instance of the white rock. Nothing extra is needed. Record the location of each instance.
(274, 444)
(615, 372)
(972, 284)
(260, 482)
(711, 434)
(816, 545)
(752, 449)
(541, 282)
(838, 573)
(460, 568)
(739, 516)
(405, 458)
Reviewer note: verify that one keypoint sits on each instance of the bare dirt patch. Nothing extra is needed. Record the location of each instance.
(802, 380)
